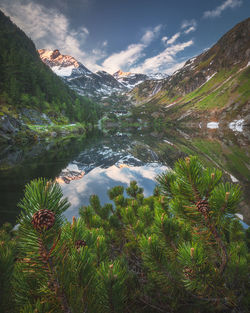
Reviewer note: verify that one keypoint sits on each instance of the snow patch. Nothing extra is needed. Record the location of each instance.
(211, 76)
(236, 125)
(168, 142)
(213, 125)
(158, 76)
(63, 71)
(234, 179)
(207, 79)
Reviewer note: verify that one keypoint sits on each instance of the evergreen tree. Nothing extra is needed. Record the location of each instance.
(23, 73)
(182, 249)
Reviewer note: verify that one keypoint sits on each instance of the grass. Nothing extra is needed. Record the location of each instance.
(214, 94)
(47, 130)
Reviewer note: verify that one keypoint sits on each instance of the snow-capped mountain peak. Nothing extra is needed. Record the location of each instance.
(128, 79)
(62, 65)
(94, 85)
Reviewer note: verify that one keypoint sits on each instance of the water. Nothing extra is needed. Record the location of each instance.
(92, 166)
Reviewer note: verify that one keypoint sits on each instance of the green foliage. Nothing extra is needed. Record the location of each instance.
(28, 83)
(133, 190)
(112, 287)
(7, 260)
(182, 249)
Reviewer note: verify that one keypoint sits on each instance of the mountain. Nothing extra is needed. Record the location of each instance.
(130, 80)
(158, 76)
(216, 82)
(30, 93)
(62, 65)
(97, 85)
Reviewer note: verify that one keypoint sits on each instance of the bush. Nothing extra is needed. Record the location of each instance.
(182, 249)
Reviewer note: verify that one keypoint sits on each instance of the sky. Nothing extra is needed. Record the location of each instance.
(142, 36)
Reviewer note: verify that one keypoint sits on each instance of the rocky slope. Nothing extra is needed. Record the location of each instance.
(97, 85)
(130, 80)
(216, 82)
(232, 50)
(100, 85)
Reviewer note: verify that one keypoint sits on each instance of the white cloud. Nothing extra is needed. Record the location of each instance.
(189, 23)
(189, 30)
(173, 38)
(150, 35)
(189, 26)
(90, 60)
(85, 30)
(163, 62)
(164, 39)
(126, 58)
(49, 29)
(225, 5)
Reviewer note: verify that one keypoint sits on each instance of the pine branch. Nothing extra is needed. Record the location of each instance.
(54, 284)
(154, 306)
(220, 243)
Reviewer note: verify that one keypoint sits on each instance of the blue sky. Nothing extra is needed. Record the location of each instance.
(146, 36)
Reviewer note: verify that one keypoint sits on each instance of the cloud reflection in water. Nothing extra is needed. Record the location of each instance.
(100, 180)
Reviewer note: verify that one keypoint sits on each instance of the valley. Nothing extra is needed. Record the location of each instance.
(118, 157)
(124, 156)
(145, 121)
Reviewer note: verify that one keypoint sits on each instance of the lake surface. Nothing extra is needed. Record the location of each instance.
(94, 165)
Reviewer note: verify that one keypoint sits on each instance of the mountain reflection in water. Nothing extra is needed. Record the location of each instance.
(94, 165)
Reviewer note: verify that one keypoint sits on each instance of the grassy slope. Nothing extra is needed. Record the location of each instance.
(222, 90)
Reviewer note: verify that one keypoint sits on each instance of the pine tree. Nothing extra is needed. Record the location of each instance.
(182, 249)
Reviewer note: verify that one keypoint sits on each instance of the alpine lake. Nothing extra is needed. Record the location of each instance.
(89, 166)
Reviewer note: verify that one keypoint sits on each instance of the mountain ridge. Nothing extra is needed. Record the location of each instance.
(99, 85)
(233, 48)
(211, 87)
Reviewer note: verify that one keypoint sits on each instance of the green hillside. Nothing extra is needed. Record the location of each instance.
(28, 83)
(226, 91)
(217, 81)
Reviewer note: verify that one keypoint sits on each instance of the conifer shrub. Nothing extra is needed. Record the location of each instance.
(180, 250)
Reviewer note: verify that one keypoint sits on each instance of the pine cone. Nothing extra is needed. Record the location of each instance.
(80, 243)
(188, 273)
(203, 207)
(43, 220)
